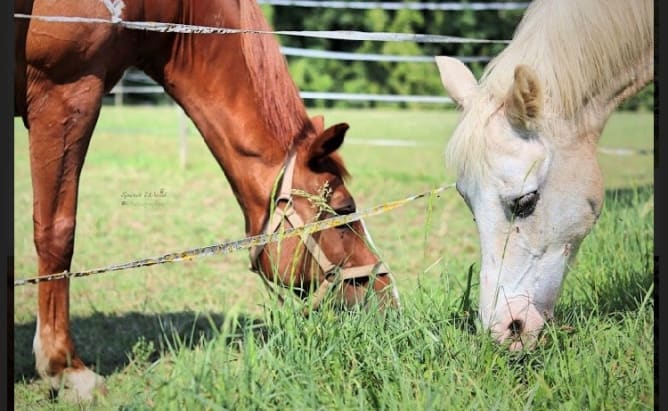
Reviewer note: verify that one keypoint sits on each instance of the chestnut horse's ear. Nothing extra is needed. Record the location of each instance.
(457, 79)
(328, 141)
(318, 123)
(524, 101)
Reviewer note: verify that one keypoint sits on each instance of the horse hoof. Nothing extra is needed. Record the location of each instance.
(82, 386)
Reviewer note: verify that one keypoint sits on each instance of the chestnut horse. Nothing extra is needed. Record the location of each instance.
(525, 147)
(237, 90)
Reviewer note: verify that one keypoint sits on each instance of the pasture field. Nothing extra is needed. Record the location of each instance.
(204, 334)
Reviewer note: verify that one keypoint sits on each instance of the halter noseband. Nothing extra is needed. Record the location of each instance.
(332, 273)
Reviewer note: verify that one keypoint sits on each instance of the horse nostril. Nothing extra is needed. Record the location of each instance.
(357, 281)
(515, 328)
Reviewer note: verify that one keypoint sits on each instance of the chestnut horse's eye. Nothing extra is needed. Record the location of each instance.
(525, 205)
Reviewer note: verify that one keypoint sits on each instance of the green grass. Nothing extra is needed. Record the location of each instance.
(205, 335)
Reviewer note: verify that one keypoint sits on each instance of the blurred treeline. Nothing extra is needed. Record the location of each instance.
(396, 78)
(399, 78)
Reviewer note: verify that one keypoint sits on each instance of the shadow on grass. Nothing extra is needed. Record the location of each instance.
(105, 343)
(625, 294)
(626, 285)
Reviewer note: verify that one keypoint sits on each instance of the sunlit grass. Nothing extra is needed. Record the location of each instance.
(195, 335)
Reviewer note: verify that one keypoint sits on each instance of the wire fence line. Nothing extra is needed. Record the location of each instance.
(310, 95)
(351, 35)
(115, 7)
(342, 55)
(367, 5)
(244, 243)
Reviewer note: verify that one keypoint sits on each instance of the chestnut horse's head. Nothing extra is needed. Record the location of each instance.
(341, 260)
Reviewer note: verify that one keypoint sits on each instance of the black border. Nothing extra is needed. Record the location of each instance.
(659, 234)
(7, 212)
(7, 188)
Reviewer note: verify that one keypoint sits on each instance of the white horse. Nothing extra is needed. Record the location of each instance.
(525, 147)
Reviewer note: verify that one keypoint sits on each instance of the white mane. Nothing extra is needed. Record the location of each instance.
(577, 48)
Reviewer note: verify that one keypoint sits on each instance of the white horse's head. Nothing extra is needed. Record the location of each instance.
(534, 189)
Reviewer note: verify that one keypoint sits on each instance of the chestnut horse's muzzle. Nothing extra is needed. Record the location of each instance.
(333, 274)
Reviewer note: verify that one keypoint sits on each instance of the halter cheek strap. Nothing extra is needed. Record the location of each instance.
(332, 274)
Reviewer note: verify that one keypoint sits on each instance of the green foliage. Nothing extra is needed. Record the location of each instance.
(643, 101)
(314, 74)
(401, 78)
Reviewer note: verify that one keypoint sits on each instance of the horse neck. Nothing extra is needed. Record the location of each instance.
(587, 123)
(213, 79)
(625, 84)
(248, 153)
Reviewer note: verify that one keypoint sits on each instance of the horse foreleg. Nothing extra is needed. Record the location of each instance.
(61, 118)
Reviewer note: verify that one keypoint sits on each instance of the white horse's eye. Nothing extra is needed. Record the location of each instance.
(525, 205)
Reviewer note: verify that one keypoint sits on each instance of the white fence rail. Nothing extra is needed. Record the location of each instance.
(342, 55)
(310, 95)
(386, 5)
(150, 87)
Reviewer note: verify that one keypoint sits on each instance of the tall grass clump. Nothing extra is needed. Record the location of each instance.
(596, 354)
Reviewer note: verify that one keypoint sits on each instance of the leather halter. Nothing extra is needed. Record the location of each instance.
(332, 273)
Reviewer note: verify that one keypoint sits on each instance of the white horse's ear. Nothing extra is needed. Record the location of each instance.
(524, 102)
(457, 79)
